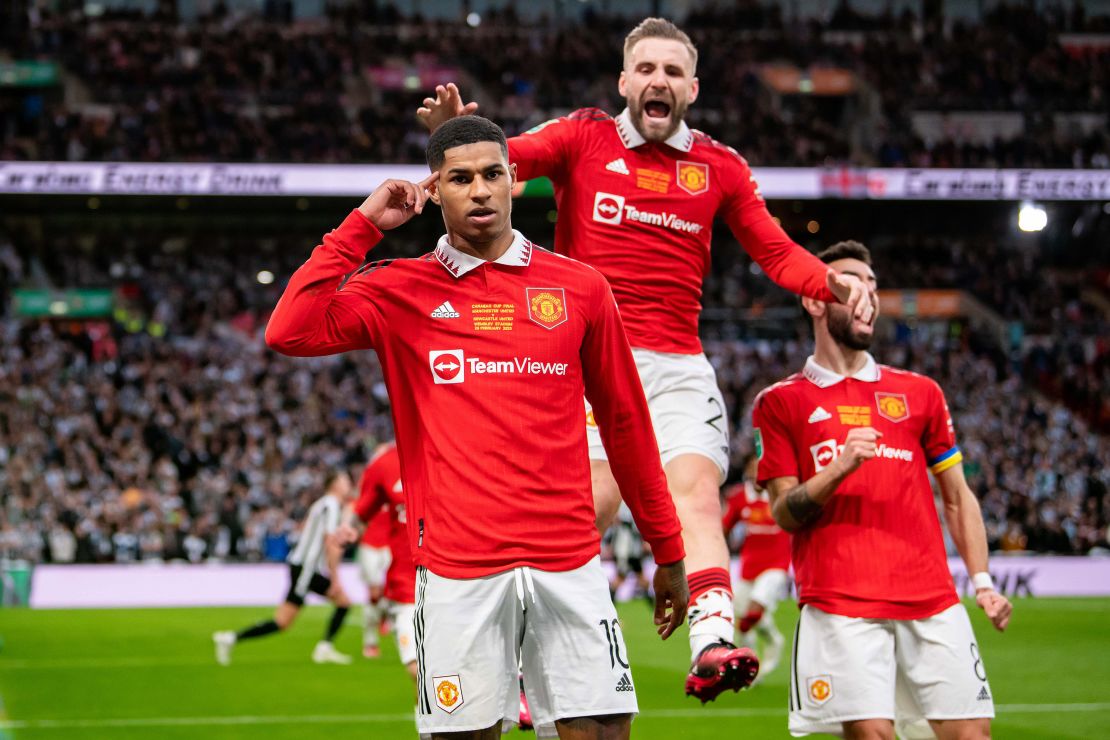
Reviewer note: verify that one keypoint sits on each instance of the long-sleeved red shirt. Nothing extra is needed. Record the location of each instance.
(381, 492)
(642, 213)
(486, 364)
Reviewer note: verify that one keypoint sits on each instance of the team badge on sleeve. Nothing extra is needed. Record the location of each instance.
(693, 177)
(892, 406)
(547, 306)
(448, 691)
(757, 437)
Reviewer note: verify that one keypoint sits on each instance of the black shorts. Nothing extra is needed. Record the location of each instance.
(299, 587)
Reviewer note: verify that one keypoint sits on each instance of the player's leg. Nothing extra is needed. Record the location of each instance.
(325, 651)
(373, 563)
(961, 729)
(466, 657)
(285, 614)
(741, 602)
(617, 727)
(940, 665)
(842, 676)
(768, 589)
(576, 664)
(869, 729)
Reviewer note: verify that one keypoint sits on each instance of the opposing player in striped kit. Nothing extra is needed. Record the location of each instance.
(313, 566)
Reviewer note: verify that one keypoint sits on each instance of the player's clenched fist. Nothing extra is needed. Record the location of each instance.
(861, 444)
(396, 201)
(996, 606)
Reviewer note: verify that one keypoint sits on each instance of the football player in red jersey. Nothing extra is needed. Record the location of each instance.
(487, 345)
(637, 197)
(846, 446)
(764, 566)
(374, 560)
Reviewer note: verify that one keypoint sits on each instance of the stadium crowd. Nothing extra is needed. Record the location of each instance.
(171, 432)
(343, 88)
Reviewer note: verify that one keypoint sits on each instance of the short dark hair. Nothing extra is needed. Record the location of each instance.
(846, 250)
(332, 476)
(460, 132)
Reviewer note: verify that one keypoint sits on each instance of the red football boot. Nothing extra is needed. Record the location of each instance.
(720, 667)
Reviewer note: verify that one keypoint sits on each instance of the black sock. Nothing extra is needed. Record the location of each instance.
(259, 630)
(336, 622)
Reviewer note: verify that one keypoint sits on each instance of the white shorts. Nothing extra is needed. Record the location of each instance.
(687, 409)
(848, 668)
(404, 631)
(561, 627)
(769, 588)
(373, 564)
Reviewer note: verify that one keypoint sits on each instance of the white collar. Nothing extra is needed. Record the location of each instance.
(823, 377)
(682, 139)
(519, 254)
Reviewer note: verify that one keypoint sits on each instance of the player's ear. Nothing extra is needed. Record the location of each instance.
(622, 84)
(512, 175)
(433, 191)
(692, 95)
(814, 307)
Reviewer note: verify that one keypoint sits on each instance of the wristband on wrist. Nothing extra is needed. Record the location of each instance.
(982, 580)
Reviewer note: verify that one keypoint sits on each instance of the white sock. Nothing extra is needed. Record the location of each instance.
(711, 620)
(371, 620)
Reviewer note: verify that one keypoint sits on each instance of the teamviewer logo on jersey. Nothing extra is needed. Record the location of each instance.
(608, 208)
(823, 454)
(447, 366)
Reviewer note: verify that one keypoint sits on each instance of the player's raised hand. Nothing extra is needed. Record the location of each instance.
(396, 201)
(672, 597)
(996, 606)
(853, 293)
(447, 104)
(861, 444)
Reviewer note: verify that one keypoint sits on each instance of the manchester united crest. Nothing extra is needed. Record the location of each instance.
(892, 406)
(448, 690)
(693, 177)
(547, 306)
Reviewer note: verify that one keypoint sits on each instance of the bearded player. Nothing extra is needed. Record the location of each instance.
(764, 566)
(846, 446)
(637, 197)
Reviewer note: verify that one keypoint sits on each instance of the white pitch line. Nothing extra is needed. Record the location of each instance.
(321, 719)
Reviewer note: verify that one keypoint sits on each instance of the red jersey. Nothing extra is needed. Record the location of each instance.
(766, 545)
(377, 529)
(642, 213)
(877, 550)
(382, 493)
(486, 364)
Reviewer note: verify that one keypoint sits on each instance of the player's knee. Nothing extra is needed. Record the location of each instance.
(869, 729)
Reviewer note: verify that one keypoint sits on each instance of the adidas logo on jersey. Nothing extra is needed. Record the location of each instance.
(984, 695)
(445, 311)
(819, 414)
(618, 166)
(625, 684)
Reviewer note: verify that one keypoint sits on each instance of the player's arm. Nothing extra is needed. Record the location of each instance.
(731, 516)
(615, 392)
(541, 152)
(333, 547)
(313, 317)
(965, 523)
(795, 504)
(787, 263)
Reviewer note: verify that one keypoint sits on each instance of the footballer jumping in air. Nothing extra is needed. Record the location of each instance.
(637, 197)
(487, 345)
(846, 446)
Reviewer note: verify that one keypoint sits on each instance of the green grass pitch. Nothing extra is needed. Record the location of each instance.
(133, 674)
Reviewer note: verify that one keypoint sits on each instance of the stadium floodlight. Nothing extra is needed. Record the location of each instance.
(265, 277)
(473, 20)
(1032, 217)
